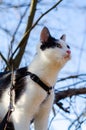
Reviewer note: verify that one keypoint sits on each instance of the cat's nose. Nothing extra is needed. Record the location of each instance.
(68, 52)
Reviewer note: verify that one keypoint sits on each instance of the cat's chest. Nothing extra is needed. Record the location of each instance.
(34, 95)
(34, 99)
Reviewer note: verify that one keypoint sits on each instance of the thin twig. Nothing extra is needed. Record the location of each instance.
(15, 32)
(46, 12)
(71, 77)
(4, 59)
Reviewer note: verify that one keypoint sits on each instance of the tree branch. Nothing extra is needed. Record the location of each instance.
(69, 93)
(71, 77)
(23, 42)
(46, 12)
(15, 32)
(4, 59)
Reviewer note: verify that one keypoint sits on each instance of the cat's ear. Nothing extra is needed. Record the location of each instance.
(45, 34)
(63, 37)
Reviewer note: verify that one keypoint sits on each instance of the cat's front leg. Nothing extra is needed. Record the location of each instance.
(41, 119)
(22, 126)
(21, 121)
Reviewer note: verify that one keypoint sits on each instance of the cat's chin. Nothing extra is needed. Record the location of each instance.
(67, 57)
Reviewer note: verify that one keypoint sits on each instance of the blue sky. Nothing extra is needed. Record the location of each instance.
(69, 18)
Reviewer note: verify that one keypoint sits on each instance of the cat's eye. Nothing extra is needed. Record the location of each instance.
(59, 45)
(68, 46)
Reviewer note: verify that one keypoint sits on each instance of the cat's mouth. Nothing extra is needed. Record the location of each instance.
(67, 55)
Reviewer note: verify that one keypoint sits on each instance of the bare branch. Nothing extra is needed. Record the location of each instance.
(15, 32)
(24, 40)
(10, 5)
(71, 77)
(6, 31)
(4, 59)
(60, 105)
(46, 12)
(69, 93)
(77, 122)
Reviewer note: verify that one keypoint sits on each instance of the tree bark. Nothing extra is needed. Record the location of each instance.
(69, 93)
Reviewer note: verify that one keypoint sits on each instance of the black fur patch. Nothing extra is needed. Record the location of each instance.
(20, 82)
(5, 80)
(10, 126)
(51, 43)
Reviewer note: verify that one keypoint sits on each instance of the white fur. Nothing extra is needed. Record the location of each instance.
(46, 65)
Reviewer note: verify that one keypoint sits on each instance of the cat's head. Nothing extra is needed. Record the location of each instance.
(54, 50)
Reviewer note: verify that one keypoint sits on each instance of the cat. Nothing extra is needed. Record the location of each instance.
(31, 101)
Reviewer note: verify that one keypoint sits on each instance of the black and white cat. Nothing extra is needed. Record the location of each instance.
(31, 101)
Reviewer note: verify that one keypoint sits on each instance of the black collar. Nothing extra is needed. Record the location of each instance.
(36, 79)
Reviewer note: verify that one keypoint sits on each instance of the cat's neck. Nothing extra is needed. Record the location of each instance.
(46, 70)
